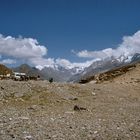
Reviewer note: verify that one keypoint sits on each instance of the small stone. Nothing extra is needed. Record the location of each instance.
(12, 136)
(29, 137)
(95, 132)
(93, 93)
(74, 98)
(83, 128)
(77, 108)
(2, 88)
(54, 136)
(33, 107)
(10, 119)
(52, 119)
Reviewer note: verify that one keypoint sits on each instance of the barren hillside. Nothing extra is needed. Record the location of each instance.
(4, 70)
(38, 110)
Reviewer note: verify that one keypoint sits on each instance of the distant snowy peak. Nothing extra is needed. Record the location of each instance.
(124, 58)
(76, 68)
(130, 58)
(39, 67)
(55, 67)
(73, 70)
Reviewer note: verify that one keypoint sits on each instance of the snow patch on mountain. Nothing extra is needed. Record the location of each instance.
(63, 64)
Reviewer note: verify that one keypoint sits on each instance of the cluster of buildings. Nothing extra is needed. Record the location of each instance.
(17, 76)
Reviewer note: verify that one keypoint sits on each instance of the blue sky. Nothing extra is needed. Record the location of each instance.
(66, 26)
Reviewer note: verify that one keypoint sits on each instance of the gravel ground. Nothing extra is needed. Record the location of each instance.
(38, 110)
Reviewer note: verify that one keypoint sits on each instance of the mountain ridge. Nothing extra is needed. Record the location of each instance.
(104, 66)
(75, 74)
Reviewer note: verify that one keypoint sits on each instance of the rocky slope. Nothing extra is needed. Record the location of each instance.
(101, 68)
(37, 110)
(31, 71)
(4, 70)
(108, 75)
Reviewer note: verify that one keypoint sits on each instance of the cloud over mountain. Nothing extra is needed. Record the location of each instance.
(8, 61)
(53, 63)
(28, 50)
(129, 46)
(25, 49)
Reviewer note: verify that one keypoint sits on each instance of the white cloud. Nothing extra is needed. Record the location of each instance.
(25, 49)
(69, 65)
(8, 61)
(129, 46)
(42, 61)
(28, 50)
(63, 63)
(95, 54)
(54, 63)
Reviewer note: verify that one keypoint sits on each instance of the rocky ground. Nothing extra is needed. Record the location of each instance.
(39, 110)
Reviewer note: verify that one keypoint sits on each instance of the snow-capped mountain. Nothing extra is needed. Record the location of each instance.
(105, 65)
(59, 73)
(56, 67)
(74, 73)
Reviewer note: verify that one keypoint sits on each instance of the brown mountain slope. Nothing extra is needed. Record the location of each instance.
(132, 76)
(4, 70)
(111, 74)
